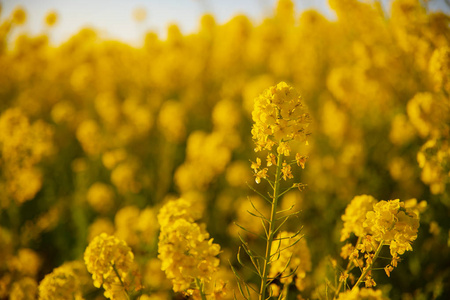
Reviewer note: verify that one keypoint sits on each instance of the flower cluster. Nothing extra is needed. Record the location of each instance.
(279, 116)
(439, 68)
(376, 224)
(24, 289)
(22, 146)
(62, 283)
(110, 261)
(101, 197)
(434, 159)
(355, 215)
(185, 249)
(362, 294)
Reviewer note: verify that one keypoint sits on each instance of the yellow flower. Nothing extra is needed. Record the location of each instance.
(362, 294)
(110, 261)
(255, 165)
(131, 223)
(301, 160)
(101, 197)
(171, 121)
(90, 137)
(261, 174)
(19, 16)
(124, 178)
(439, 68)
(185, 249)
(62, 284)
(24, 289)
(111, 158)
(392, 223)
(355, 214)
(25, 184)
(271, 159)
(286, 171)
(51, 18)
(28, 262)
(279, 115)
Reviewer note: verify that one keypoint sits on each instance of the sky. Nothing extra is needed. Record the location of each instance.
(114, 18)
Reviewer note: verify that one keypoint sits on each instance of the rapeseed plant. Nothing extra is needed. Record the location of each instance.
(280, 119)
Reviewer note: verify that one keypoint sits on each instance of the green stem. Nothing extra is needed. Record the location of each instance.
(120, 279)
(200, 288)
(271, 231)
(369, 267)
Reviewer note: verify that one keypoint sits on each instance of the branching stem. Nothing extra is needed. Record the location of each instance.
(120, 280)
(369, 267)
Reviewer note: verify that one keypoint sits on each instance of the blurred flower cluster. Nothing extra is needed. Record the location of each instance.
(98, 137)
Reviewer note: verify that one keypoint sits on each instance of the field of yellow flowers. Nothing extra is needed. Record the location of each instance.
(295, 158)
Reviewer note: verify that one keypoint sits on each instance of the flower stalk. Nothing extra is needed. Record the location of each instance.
(281, 118)
(370, 266)
(200, 288)
(271, 230)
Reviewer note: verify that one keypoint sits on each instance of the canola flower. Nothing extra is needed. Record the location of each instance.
(111, 263)
(187, 254)
(280, 119)
(24, 289)
(376, 224)
(363, 294)
(62, 283)
(51, 19)
(101, 197)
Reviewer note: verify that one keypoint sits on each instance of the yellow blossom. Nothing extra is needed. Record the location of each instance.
(24, 289)
(301, 160)
(110, 261)
(255, 165)
(261, 174)
(392, 223)
(185, 249)
(362, 294)
(19, 15)
(51, 18)
(286, 171)
(62, 284)
(355, 214)
(101, 197)
(279, 116)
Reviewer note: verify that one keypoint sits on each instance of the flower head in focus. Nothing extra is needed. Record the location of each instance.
(280, 116)
(110, 261)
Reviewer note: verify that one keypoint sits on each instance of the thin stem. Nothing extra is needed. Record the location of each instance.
(271, 230)
(120, 279)
(200, 288)
(369, 267)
